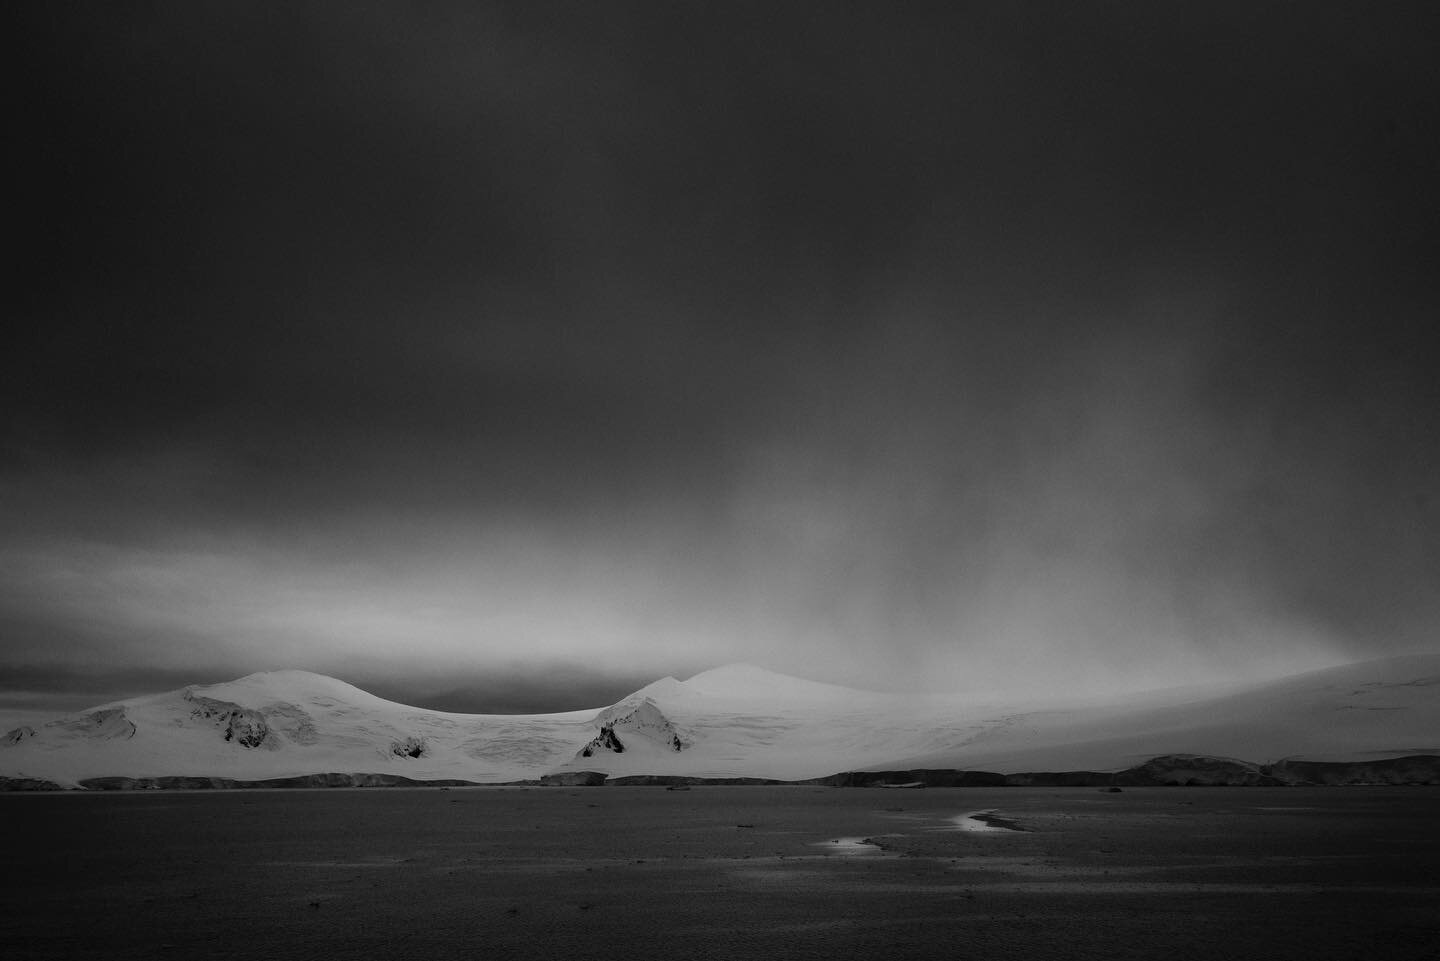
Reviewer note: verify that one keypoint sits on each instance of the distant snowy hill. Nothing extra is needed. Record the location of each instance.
(1355, 712)
(734, 721)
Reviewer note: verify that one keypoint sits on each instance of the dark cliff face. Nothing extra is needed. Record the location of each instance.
(28, 784)
(243, 726)
(226, 784)
(1171, 770)
(606, 740)
(1191, 769)
(574, 779)
(1414, 769)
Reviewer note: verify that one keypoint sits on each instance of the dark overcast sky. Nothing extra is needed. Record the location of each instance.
(500, 355)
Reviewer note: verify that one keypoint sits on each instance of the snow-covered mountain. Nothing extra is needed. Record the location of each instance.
(735, 721)
(1350, 713)
(288, 724)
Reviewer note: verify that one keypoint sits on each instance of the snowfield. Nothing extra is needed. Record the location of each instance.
(731, 722)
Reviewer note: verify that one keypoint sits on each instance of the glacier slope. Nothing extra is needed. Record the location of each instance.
(306, 724)
(1354, 712)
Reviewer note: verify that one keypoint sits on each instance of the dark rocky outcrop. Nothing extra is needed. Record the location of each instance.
(115, 783)
(409, 747)
(1195, 770)
(673, 780)
(239, 724)
(574, 779)
(28, 784)
(642, 719)
(16, 735)
(1190, 770)
(930, 777)
(606, 740)
(1060, 779)
(225, 783)
(1412, 769)
(1187, 770)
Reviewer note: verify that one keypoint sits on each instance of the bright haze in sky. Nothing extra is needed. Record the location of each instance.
(509, 356)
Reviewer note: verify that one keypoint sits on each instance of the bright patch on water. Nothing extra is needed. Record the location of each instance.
(850, 846)
(982, 822)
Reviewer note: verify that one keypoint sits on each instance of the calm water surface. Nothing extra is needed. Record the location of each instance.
(724, 872)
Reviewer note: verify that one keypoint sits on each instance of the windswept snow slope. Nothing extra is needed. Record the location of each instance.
(744, 721)
(1354, 712)
(735, 721)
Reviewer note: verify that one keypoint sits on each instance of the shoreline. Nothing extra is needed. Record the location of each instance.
(1171, 770)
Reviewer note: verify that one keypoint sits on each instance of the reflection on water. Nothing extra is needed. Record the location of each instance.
(850, 846)
(985, 822)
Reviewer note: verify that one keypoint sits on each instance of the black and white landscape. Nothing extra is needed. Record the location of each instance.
(1372, 722)
(559, 401)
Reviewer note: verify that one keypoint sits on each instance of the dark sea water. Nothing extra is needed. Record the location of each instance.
(723, 872)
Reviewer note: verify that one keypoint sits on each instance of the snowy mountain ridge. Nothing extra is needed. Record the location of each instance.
(738, 721)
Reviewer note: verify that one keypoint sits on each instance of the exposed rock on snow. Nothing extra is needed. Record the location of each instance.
(245, 727)
(642, 720)
(606, 740)
(410, 747)
(16, 735)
